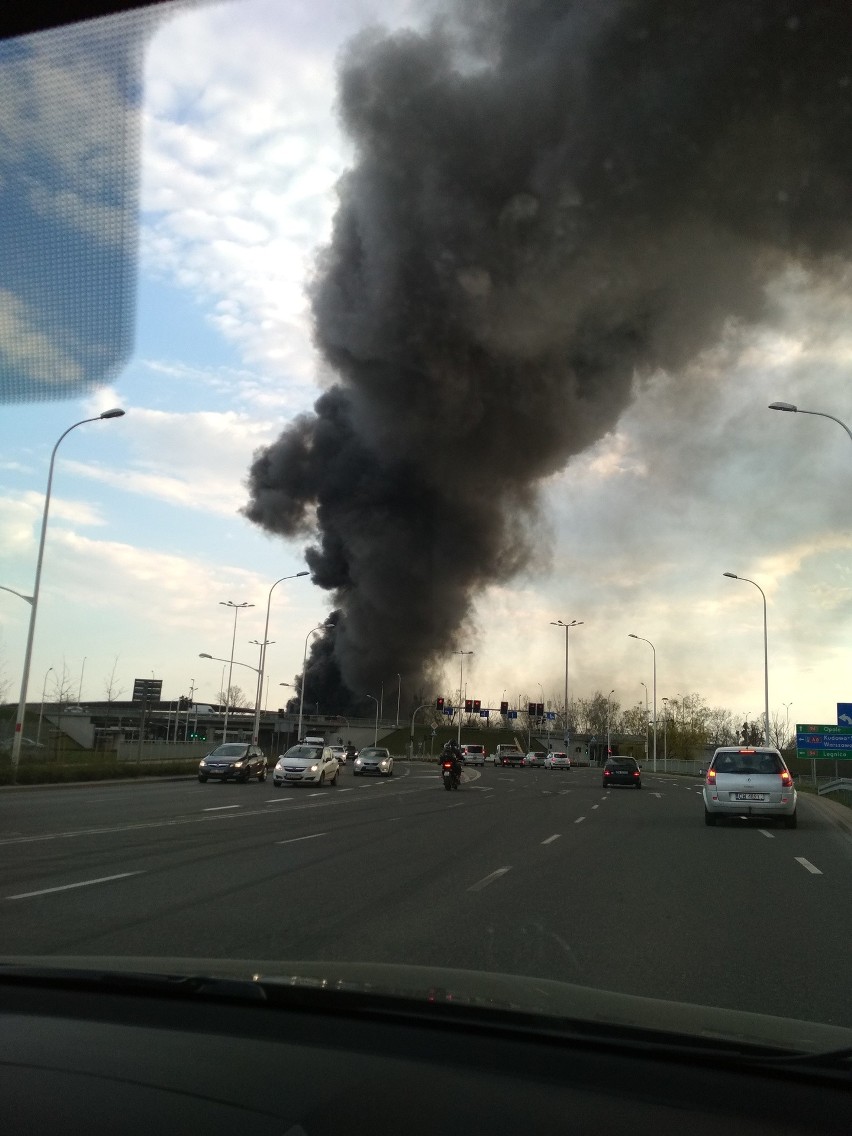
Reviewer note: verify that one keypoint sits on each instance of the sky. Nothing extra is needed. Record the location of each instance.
(241, 151)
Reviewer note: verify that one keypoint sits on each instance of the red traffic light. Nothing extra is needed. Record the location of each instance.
(504, 707)
(468, 704)
(440, 704)
(477, 705)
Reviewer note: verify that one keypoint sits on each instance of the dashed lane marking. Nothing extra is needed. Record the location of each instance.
(69, 887)
(219, 808)
(489, 879)
(276, 800)
(579, 820)
(810, 867)
(765, 833)
(296, 839)
(550, 839)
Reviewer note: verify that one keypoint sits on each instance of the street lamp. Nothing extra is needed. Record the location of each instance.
(398, 699)
(793, 409)
(734, 576)
(665, 726)
(33, 600)
(376, 735)
(654, 650)
(559, 623)
(262, 667)
(234, 663)
(304, 678)
(646, 720)
(237, 609)
(608, 710)
(787, 726)
(41, 709)
(461, 655)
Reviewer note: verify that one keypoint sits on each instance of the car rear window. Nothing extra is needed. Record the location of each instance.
(625, 763)
(473, 749)
(748, 763)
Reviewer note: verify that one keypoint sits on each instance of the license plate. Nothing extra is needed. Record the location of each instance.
(292, 776)
(749, 797)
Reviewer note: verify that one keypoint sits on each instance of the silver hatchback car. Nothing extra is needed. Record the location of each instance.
(749, 781)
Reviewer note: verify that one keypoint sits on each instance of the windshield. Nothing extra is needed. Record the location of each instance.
(229, 751)
(399, 373)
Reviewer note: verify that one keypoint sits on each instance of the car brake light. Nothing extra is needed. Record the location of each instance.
(786, 779)
(635, 774)
(607, 773)
(711, 776)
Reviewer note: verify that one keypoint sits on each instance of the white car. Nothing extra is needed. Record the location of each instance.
(749, 781)
(340, 753)
(306, 765)
(473, 754)
(557, 761)
(536, 758)
(373, 759)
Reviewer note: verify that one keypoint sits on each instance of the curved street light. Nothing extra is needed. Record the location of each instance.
(116, 412)
(654, 650)
(791, 408)
(734, 576)
(262, 667)
(304, 677)
(376, 735)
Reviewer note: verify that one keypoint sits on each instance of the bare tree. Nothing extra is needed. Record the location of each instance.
(235, 697)
(111, 690)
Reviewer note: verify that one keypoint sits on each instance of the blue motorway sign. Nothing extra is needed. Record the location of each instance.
(844, 714)
(550, 716)
(483, 713)
(512, 714)
(448, 710)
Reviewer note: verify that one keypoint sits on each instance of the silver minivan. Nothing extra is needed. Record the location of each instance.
(749, 781)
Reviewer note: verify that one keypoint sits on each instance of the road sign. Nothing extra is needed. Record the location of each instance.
(147, 688)
(449, 710)
(550, 716)
(512, 714)
(483, 713)
(824, 743)
(844, 714)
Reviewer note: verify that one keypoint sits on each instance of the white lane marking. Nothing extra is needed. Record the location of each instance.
(595, 806)
(68, 887)
(218, 808)
(351, 789)
(316, 794)
(489, 879)
(296, 839)
(657, 795)
(579, 819)
(604, 798)
(765, 833)
(550, 839)
(807, 864)
(275, 800)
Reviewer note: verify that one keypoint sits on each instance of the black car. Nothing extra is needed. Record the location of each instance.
(622, 771)
(233, 761)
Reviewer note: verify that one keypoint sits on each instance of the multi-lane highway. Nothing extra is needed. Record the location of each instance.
(523, 871)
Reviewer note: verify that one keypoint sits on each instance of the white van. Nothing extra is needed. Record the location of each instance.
(312, 741)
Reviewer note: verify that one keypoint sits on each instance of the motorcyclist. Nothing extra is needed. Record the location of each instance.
(452, 753)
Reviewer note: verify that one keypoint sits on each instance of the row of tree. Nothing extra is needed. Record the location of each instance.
(684, 723)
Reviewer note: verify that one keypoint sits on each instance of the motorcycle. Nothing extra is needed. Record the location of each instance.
(450, 775)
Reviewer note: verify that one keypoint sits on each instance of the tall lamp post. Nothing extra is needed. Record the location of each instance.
(608, 708)
(41, 708)
(233, 663)
(665, 725)
(376, 735)
(787, 706)
(237, 609)
(33, 600)
(461, 655)
(559, 623)
(295, 576)
(646, 720)
(745, 579)
(398, 698)
(654, 651)
(304, 677)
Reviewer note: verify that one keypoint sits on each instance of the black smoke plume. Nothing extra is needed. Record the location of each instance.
(550, 200)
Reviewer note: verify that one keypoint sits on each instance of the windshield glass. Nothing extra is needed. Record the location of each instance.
(398, 374)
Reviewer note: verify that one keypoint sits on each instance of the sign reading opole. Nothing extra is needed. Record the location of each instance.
(824, 743)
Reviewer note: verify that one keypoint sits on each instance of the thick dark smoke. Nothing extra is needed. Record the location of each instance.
(550, 201)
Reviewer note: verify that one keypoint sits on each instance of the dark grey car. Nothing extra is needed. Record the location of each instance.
(622, 771)
(233, 761)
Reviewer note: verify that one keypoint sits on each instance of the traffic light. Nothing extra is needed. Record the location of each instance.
(439, 704)
(281, 712)
(539, 709)
(531, 709)
(468, 704)
(477, 705)
(504, 707)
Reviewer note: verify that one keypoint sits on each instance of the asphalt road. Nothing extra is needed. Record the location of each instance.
(523, 871)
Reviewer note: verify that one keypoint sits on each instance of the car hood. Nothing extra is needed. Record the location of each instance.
(298, 762)
(551, 1005)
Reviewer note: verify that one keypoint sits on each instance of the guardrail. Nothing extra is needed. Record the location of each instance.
(839, 785)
